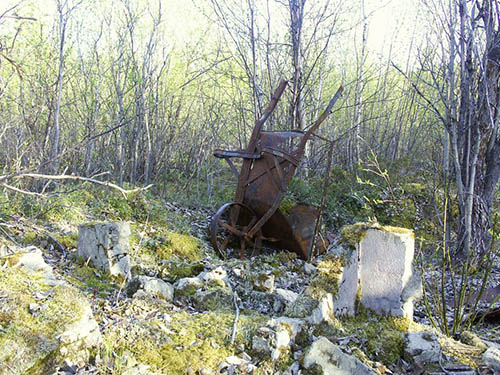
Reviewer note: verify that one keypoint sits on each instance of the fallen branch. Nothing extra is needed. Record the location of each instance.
(69, 177)
(235, 323)
(17, 190)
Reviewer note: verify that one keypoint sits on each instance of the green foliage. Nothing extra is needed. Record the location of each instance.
(366, 196)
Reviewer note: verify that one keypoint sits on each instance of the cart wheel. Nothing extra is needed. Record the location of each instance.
(229, 226)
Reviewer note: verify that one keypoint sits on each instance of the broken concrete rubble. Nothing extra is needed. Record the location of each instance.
(106, 245)
(331, 360)
(422, 347)
(152, 286)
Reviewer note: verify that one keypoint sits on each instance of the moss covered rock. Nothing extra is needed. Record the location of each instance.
(41, 326)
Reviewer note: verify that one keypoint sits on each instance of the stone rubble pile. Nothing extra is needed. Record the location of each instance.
(301, 299)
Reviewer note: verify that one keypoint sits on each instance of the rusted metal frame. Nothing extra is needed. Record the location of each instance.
(252, 143)
(252, 147)
(323, 201)
(215, 222)
(282, 154)
(270, 212)
(224, 154)
(280, 173)
(274, 207)
(271, 176)
(294, 162)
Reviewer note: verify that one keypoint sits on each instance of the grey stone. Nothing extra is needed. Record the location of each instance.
(332, 360)
(491, 358)
(218, 274)
(264, 282)
(310, 268)
(206, 371)
(293, 369)
(260, 344)
(32, 260)
(324, 311)
(213, 299)
(344, 302)
(152, 286)
(139, 369)
(264, 303)
(288, 296)
(107, 246)
(422, 347)
(385, 270)
(492, 344)
(277, 336)
(188, 285)
(412, 291)
(79, 336)
(302, 307)
(292, 325)
(234, 360)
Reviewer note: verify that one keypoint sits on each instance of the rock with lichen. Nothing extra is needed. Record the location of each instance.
(107, 246)
(187, 286)
(264, 282)
(422, 347)
(42, 326)
(275, 338)
(151, 285)
(384, 275)
(491, 358)
(327, 358)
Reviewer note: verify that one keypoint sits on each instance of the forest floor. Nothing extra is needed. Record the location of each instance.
(193, 334)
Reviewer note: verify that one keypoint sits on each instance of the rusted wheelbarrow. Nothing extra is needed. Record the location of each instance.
(269, 163)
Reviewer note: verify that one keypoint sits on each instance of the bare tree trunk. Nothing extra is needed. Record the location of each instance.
(359, 88)
(296, 20)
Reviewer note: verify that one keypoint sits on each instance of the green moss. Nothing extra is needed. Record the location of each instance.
(172, 245)
(175, 271)
(28, 337)
(29, 238)
(327, 279)
(196, 341)
(213, 299)
(93, 280)
(353, 234)
(383, 337)
(68, 240)
(268, 367)
(314, 369)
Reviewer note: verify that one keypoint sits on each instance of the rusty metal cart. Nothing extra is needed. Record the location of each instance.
(268, 165)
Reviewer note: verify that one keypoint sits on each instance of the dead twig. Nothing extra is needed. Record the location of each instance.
(237, 315)
(125, 192)
(17, 190)
(9, 236)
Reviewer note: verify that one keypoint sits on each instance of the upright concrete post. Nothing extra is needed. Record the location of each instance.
(107, 246)
(386, 278)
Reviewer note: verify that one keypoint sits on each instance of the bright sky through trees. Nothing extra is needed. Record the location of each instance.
(393, 25)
